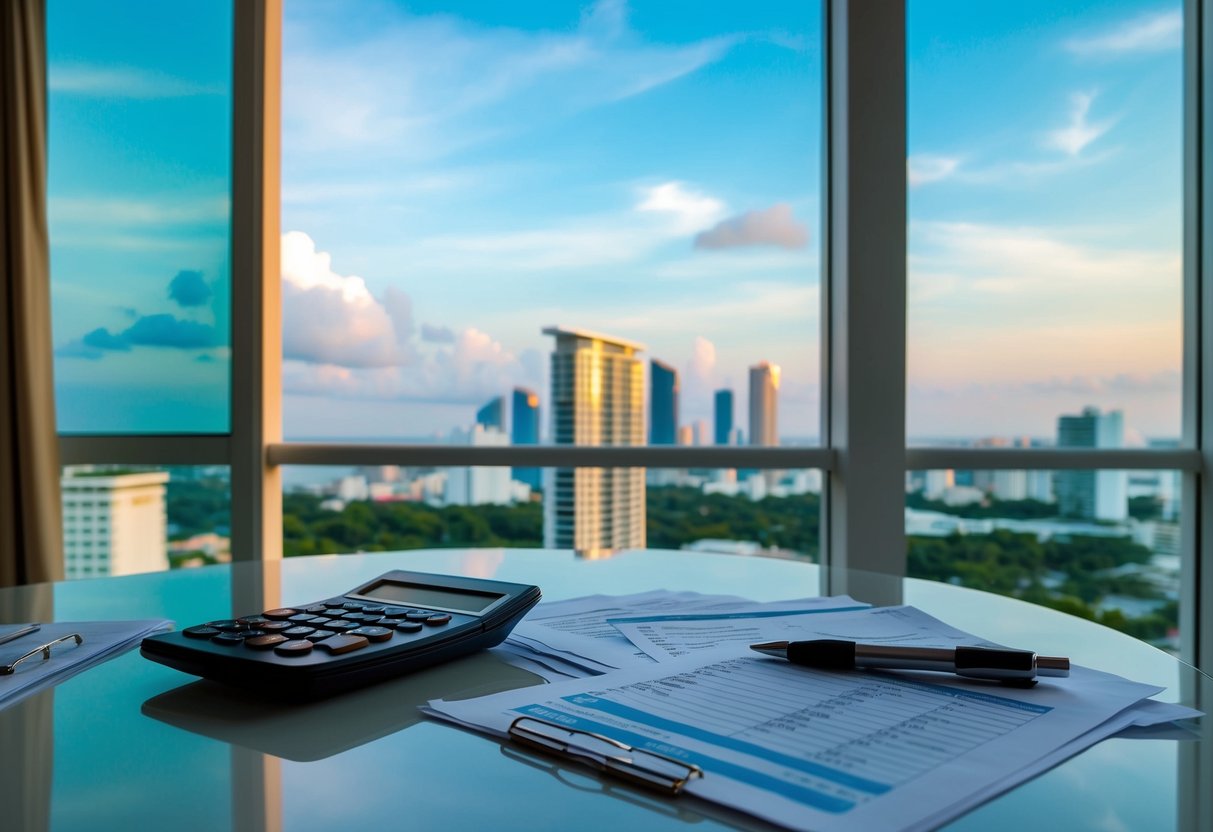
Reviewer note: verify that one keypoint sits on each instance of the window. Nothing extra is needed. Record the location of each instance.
(423, 276)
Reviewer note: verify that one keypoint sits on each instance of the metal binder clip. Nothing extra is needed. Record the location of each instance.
(45, 650)
(637, 766)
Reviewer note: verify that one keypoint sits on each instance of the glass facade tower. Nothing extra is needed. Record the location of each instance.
(663, 403)
(723, 412)
(597, 399)
(524, 430)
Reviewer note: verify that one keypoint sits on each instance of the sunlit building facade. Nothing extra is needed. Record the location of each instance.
(114, 523)
(597, 398)
(1092, 495)
(764, 404)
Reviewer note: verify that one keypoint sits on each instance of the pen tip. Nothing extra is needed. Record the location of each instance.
(772, 648)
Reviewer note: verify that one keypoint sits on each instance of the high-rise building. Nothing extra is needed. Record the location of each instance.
(478, 484)
(492, 415)
(663, 403)
(764, 402)
(724, 416)
(524, 430)
(114, 523)
(597, 399)
(1092, 495)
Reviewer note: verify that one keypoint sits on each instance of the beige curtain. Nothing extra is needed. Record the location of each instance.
(31, 543)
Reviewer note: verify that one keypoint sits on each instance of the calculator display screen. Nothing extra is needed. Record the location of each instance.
(458, 600)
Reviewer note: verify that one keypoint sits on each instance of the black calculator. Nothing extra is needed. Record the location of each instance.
(397, 623)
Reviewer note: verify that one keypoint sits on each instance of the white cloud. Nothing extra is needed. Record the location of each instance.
(441, 84)
(923, 169)
(121, 82)
(691, 211)
(703, 359)
(774, 226)
(331, 318)
(341, 340)
(1156, 32)
(1079, 133)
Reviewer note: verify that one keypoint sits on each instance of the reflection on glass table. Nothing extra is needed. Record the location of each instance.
(132, 744)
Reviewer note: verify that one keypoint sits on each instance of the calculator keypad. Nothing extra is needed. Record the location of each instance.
(334, 627)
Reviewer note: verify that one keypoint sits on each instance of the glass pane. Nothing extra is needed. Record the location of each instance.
(386, 508)
(460, 180)
(139, 181)
(1045, 215)
(1102, 545)
(120, 520)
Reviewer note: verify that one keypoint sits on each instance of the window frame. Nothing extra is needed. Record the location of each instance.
(863, 455)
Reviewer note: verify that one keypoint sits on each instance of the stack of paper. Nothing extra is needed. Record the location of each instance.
(576, 638)
(804, 748)
(100, 640)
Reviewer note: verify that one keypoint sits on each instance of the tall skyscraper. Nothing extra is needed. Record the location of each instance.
(524, 430)
(723, 416)
(663, 403)
(114, 523)
(764, 402)
(597, 399)
(492, 415)
(1092, 495)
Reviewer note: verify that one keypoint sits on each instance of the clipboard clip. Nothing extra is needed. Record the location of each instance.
(634, 765)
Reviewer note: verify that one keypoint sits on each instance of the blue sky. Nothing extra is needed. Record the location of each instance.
(456, 177)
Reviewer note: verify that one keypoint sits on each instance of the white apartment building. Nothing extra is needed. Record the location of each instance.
(479, 485)
(597, 399)
(114, 523)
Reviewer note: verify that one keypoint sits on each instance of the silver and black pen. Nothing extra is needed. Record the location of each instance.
(1014, 667)
(5, 638)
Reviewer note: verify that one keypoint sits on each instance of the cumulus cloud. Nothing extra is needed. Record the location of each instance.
(169, 331)
(1079, 133)
(189, 288)
(774, 226)
(703, 359)
(921, 169)
(1155, 32)
(340, 340)
(332, 318)
(437, 334)
(689, 209)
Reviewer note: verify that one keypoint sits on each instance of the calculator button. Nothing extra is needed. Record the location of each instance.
(372, 633)
(342, 643)
(321, 635)
(201, 631)
(280, 614)
(228, 625)
(352, 607)
(294, 648)
(417, 615)
(315, 609)
(228, 639)
(247, 634)
(438, 620)
(320, 621)
(334, 603)
(301, 618)
(408, 626)
(253, 620)
(275, 626)
(395, 612)
(343, 626)
(299, 632)
(374, 610)
(264, 642)
(371, 618)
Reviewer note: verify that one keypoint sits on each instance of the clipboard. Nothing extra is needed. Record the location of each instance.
(636, 766)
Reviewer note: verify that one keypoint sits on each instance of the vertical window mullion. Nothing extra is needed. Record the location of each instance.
(256, 514)
(865, 294)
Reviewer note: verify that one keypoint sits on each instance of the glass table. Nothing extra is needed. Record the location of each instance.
(133, 745)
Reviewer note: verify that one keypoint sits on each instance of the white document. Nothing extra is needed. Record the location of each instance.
(668, 636)
(577, 631)
(824, 751)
